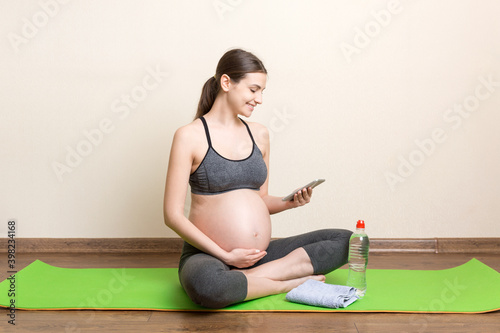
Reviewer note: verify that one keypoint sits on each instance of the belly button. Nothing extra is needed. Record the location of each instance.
(255, 234)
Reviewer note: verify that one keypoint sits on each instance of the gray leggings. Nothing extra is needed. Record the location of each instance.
(211, 283)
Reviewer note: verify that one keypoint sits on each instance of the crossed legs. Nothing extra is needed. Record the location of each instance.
(280, 275)
(289, 262)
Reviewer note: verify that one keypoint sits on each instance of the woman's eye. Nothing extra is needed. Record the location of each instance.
(252, 90)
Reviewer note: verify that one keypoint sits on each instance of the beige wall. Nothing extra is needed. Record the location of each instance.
(366, 95)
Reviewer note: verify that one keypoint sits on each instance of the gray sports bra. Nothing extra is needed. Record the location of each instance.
(217, 174)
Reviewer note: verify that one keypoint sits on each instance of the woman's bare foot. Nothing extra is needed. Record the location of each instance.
(294, 265)
(290, 284)
(259, 287)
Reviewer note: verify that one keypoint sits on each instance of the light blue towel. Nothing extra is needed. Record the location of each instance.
(318, 293)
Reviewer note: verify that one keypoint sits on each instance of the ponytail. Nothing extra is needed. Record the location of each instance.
(236, 64)
(208, 94)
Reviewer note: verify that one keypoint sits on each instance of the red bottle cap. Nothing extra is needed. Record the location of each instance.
(360, 224)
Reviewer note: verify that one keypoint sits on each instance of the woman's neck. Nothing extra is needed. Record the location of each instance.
(222, 113)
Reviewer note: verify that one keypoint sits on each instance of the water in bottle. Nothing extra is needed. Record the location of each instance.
(359, 245)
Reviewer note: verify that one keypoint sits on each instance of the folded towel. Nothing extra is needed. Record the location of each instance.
(318, 293)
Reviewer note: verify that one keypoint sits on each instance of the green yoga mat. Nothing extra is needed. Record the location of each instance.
(470, 288)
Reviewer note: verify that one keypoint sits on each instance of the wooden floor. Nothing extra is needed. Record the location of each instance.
(156, 321)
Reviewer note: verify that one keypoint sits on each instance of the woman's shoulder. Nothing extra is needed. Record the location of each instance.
(190, 132)
(259, 131)
(255, 126)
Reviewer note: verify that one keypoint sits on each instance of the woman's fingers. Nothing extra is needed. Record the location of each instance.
(256, 256)
(246, 257)
(304, 196)
(261, 255)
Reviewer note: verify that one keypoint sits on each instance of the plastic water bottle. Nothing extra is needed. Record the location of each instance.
(359, 245)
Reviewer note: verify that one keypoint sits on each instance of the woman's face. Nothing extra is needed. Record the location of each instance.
(244, 96)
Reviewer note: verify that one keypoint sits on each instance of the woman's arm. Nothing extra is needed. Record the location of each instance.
(276, 205)
(179, 168)
(273, 203)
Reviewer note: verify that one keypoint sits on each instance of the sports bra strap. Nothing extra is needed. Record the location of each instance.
(248, 129)
(206, 131)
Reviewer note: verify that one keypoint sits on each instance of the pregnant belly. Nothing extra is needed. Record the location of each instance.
(235, 219)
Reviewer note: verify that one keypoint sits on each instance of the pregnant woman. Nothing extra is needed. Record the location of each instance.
(228, 255)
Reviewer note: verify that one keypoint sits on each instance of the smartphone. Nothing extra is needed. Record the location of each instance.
(312, 184)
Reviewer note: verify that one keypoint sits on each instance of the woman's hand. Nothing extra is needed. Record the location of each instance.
(242, 258)
(301, 197)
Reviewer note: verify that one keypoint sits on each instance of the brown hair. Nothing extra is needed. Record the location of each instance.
(236, 64)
